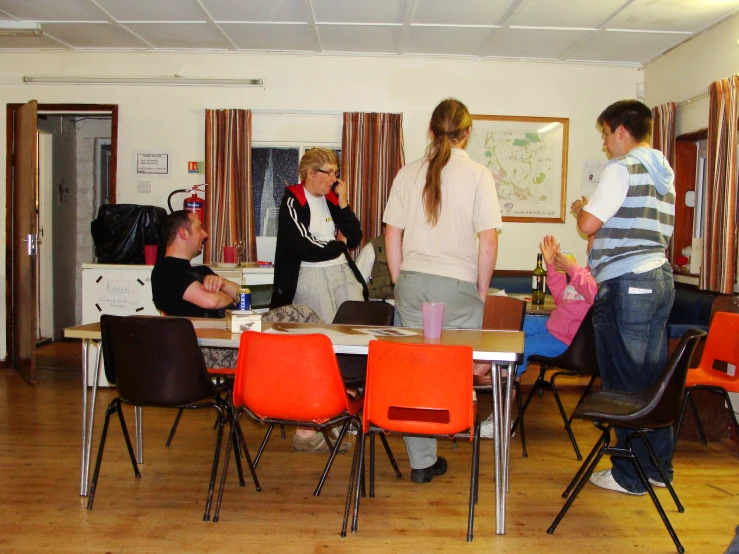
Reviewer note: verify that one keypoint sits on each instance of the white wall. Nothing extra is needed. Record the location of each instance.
(171, 118)
(689, 69)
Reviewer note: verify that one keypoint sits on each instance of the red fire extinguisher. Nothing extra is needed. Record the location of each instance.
(193, 203)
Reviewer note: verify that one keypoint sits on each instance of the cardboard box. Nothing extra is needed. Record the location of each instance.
(238, 321)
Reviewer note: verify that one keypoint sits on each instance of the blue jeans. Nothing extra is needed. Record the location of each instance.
(538, 340)
(630, 321)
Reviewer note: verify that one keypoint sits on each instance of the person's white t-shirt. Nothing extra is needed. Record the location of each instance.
(322, 227)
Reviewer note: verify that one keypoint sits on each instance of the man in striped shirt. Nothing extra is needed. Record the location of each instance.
(631, 216)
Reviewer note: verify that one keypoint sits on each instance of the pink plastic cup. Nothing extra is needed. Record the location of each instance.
(150, 254)
(433, 316)
(229, 255)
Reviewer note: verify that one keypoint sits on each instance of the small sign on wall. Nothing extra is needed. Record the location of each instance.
(146, 162)
(196, 167)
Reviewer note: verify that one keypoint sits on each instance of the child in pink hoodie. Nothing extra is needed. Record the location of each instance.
(550, 336)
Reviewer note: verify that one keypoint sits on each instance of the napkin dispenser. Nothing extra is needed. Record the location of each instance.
(238, 321)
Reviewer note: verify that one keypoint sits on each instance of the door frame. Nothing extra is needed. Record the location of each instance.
(61, 109)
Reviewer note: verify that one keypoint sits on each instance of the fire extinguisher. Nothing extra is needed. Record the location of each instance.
(193, 203)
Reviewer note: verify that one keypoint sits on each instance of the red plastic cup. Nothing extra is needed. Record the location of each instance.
(229, 255)
(433, 316)
(150, 254)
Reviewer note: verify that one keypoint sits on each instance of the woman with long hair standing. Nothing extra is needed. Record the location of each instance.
(441, 238)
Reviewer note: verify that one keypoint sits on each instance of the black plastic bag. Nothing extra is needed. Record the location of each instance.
(121, 231)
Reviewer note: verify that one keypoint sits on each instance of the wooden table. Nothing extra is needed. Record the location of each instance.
(537, 309)
(503, 348)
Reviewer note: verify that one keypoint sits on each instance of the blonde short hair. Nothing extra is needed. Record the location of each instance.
(315, 158)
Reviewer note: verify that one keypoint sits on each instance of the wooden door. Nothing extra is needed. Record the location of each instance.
(24, 229)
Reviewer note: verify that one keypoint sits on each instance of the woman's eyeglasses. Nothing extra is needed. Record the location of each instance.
(331, 172)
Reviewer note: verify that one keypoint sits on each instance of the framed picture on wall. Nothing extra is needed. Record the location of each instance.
(528, 159)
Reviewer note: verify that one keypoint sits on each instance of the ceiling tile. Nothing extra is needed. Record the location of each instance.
(577, 13)
(93, 35)
(288, 37)
(624, 47)
(672, 15)
(460, 12)
(359, 38)
(359, 11)
(256, 10)
(148, 10)
(29, 42)
(180, 35)
(53, 10)
(528, 43)
(445, 40)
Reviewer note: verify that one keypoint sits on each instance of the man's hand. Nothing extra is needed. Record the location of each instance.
(213, 283)
(549, 248)
(578, 205)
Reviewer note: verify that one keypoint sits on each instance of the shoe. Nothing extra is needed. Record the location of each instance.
(487, 429)
(316, 445)
(657, 483)
(605, 480)
(425, 475)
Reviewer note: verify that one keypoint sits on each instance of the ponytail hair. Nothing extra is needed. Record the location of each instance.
(448, 125)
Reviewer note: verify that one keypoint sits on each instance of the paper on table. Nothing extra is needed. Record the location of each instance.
(208, 323)
(497, 292)
(387, 332)
(335, 336)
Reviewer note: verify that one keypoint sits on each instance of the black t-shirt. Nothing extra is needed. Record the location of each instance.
(169, 281)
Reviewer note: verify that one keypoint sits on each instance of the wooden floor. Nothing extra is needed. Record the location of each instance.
(41, 510)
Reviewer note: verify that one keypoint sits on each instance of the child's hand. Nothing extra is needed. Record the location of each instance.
(549, 248)
(564, 263)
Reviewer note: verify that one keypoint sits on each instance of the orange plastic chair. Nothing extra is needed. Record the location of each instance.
(419, 389)
(291, 380)
(722, 345)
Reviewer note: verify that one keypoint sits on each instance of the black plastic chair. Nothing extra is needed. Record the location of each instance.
(156, 362)
(354, 312)
(578, 360)
(654, 408)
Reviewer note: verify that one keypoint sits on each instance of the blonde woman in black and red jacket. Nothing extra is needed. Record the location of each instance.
(316, 229)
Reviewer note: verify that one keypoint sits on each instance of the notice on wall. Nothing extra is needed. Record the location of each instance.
(150, 163)
(196, 167)
(119, 296)
(591, 172)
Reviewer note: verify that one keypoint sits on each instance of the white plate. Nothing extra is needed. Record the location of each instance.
(224, 264)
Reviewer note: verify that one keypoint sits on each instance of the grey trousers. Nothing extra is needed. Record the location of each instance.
(462, 310)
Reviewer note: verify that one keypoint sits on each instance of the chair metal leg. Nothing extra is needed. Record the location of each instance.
(697, 418)
(282, 432)
(372, 466)
(663, 475)
(174, 426)
(538, 385)
(127, 438)
(360, 470)
(650, 490)
(680, 422)
(580, 484)
(564, 416)
(264, 443)
(91, 494)
(214, 470)
(237, 456)
(353, 477)
(603, 441)
(390, 456)
(519, 417)
(332, 456)
(474, 478)
(252, 466)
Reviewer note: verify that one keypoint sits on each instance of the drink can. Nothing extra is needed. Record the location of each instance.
(244, 299)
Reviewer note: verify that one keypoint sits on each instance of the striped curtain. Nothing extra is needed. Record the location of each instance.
(229, 206)
(371, 156)
(719, 228)
(663, 132)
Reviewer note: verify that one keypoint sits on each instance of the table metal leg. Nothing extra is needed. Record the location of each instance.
(83, 479)
(499, 484)
(138, 418)
(91, 420)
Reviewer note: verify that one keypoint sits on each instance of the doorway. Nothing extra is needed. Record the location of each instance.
(77, 150)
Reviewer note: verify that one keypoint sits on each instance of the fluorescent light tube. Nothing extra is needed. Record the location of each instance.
(141, 81)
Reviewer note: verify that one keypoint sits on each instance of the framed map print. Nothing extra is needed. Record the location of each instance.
(528, 159)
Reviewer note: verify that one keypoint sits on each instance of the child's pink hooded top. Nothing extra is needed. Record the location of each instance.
(573, 301)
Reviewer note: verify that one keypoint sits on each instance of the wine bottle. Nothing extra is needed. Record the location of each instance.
(538, 283)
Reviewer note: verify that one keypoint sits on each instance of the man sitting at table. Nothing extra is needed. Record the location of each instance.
(179, 289)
